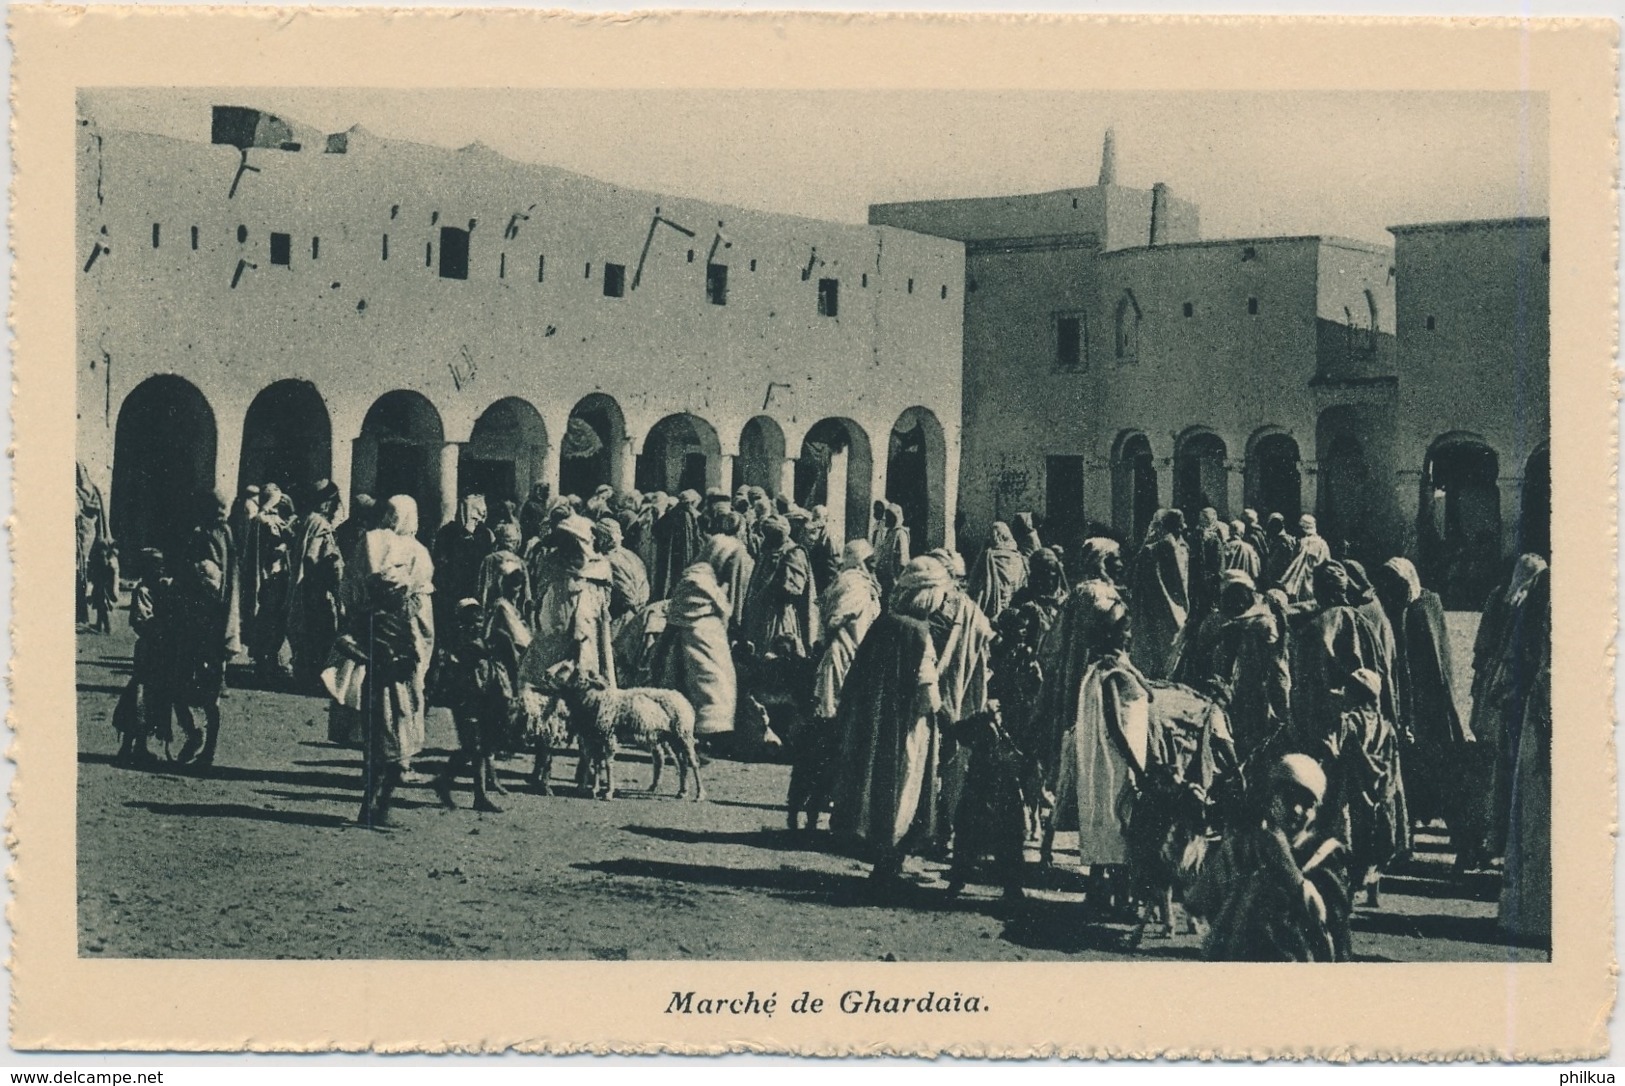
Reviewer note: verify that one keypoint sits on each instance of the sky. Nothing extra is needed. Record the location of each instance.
(1258, 164)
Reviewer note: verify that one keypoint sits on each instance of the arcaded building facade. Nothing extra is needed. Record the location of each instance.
(1117, 363)
(287, 306)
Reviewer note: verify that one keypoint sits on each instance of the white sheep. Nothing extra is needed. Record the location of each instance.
(606, 719)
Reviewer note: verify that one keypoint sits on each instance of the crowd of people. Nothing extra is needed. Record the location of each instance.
(1229, 711)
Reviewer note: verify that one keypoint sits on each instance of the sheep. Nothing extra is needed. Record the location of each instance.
(543, 722)
(605, 718)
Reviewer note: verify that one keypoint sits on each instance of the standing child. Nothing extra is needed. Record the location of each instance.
(143, 709)
(479, 694)
(992, 816)
(103, 576)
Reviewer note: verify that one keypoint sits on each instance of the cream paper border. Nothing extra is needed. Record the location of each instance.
(1549, 1011)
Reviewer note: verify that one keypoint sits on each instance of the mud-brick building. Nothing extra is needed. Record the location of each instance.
(1117, 363)
(282, 305)
(1473, 423)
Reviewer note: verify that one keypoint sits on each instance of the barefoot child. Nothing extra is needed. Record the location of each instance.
(144, 708)
(478, 693)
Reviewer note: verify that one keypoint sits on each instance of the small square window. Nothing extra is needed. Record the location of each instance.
(1430, 323)
(1190, 310)
(614, 280)
(1252, 306)
(716, 284)
(281, 249)
(829, 297)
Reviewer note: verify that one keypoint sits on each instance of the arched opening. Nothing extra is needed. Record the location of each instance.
(163, 462)
(834, 470)
(287, 440)
(1346, 488)
(505, 453)
(681, 453)
(399, 452)
(1353, 502)
(593, 453)
(1126, 327)
(1134, 486)
(1459, 526)
(1274, 479)
(1200, 476)
(916, 470)
(1535, 523)
(761, 456)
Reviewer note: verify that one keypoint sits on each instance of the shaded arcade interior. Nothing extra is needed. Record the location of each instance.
(168, 447)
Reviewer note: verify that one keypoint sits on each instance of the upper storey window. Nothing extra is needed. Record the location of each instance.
(1127, 321)
(453, 253)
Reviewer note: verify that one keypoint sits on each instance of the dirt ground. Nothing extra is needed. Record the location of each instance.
(260, 858)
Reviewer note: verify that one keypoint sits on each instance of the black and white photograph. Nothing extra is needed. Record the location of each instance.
(736, 525)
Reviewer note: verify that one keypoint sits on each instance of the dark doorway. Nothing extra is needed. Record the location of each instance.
(403, 438)
(1459, 533)
(504, 453)
(906, 483)
(163, 463)
(1274, 481)
(1063, 501)
(594, 440)
(761, 456)
(1535, 525)
(678, 455)
(1134, 487)
(1347, 487)
(495, 479)
(1201, 479)
(401, 470)
(287, 440)
(835, 470)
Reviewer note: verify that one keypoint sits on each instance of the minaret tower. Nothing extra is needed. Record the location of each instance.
(1108, 160)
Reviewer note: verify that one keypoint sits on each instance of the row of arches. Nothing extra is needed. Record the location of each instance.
(1272, 479)
(166, 440)
(1460, 532)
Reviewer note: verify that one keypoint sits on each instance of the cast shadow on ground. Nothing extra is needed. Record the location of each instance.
(1067, 927)
(220, 772)
(94, 688)
(239, 810)
(1461, 929)
(1476, 887)
(751, 806)
(778, 840)
(795, 884)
